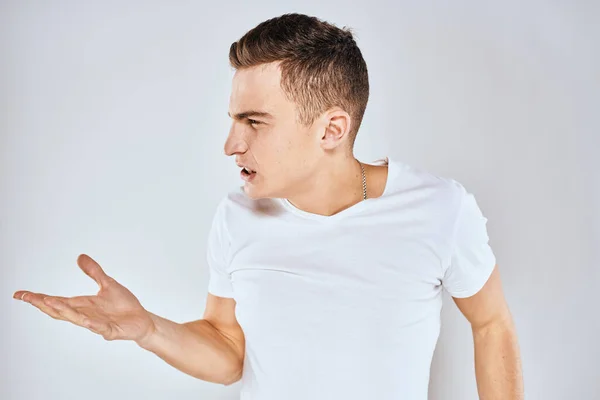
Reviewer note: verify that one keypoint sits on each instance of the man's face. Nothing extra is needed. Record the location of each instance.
(280, 152)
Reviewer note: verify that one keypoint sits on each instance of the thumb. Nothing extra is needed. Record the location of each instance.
(92, 269)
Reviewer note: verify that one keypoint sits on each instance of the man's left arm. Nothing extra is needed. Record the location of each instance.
(497, 359)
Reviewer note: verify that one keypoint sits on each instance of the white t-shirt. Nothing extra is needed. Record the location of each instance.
(347, 306)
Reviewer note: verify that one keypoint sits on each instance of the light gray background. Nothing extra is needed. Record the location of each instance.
(113, 118)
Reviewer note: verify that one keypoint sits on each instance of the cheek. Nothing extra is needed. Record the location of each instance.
(284, 153)
(299, 146)
(272, 149)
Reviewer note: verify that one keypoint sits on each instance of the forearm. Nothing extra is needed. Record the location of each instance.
(196, 348)
(498, 363)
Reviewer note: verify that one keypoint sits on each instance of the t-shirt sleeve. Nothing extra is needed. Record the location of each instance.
(471, 260)
(217, 255)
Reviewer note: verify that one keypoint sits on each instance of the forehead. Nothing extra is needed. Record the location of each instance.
(257, 88)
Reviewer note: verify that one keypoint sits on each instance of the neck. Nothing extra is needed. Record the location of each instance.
(333, 186)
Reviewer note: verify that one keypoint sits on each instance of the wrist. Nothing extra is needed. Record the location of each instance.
(146, 340)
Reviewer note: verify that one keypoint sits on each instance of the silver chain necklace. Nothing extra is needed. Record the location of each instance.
(364, 181)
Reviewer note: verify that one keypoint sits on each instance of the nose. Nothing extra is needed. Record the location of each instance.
(235, 143)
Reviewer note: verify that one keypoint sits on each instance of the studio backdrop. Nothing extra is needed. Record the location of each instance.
(113, 116)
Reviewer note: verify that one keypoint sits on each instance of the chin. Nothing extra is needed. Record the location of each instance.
(256, 192)
(253, 192)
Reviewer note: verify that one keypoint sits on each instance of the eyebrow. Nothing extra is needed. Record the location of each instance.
(250, 113)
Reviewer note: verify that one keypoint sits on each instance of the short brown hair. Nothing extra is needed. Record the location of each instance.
(321, 65)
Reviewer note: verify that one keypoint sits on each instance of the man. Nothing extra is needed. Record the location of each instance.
(326, 273)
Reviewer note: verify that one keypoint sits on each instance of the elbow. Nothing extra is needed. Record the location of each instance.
(233, 377)
(233, 371)
(224, 377)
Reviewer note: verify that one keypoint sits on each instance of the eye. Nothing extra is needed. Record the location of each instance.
(253, 121)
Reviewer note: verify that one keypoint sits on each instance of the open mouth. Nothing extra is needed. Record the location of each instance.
(247, 172)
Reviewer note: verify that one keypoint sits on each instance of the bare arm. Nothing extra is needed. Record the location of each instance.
(497, 359)
(211, 349)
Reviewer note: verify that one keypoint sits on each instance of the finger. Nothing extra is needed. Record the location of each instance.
(72, 315)
(19, 294)
(37, 300)
(92, 269)
(65, 311)
(54, 306)
(75, 302)
(98, 327)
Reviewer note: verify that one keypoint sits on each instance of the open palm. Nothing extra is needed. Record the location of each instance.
(114, 312)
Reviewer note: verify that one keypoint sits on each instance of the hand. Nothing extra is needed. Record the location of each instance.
(114, 312)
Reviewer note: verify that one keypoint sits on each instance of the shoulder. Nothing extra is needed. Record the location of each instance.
(236, 206)
(424, 184)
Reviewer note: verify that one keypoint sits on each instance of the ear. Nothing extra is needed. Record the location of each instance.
(337, 124)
